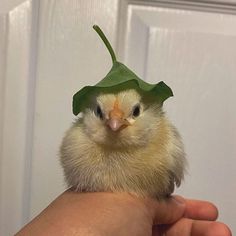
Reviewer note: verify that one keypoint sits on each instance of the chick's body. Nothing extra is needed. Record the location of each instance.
(123, 143)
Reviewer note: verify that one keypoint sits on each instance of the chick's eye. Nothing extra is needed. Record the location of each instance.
(136, 111)
(98, 112)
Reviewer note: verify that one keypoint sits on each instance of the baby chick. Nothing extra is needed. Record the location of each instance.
(123, 143)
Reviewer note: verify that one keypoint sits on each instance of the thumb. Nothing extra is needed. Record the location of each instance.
(167, 211)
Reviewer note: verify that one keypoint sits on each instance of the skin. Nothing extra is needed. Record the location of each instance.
(122, 214)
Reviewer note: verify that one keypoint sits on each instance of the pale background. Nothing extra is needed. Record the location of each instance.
(48, 51)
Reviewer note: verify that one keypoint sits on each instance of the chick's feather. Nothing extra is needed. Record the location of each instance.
(145, 158)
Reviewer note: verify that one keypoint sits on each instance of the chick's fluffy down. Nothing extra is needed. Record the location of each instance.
(145, 158)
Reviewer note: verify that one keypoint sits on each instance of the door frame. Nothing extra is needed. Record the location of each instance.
(27, 115)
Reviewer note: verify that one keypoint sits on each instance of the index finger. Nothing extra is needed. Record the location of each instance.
(200, 210)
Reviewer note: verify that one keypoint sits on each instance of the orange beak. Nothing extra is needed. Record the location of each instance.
(116, 118)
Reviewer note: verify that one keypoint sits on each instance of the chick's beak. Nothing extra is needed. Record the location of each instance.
(115, 124)
(116, 120)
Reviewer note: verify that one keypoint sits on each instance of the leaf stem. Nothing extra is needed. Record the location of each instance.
(106, 42)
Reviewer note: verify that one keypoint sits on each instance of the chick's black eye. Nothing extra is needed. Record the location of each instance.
(98, 112)
(136, 111)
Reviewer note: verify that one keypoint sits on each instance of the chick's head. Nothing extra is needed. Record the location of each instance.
(121, 119)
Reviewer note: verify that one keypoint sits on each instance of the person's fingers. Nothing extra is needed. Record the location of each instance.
(200, 210)
(166, 211)
(188, 227)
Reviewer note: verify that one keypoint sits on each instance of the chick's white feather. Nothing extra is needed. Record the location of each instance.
(145, 158)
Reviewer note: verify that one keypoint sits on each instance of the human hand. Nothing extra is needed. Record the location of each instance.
(122, 214)
(198, 220)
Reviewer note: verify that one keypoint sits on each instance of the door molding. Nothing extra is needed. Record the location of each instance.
(219, 6)
(17, 107)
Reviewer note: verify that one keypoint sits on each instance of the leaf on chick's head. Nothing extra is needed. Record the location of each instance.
(119, 78)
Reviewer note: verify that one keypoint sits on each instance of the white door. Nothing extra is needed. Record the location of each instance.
(48, 51)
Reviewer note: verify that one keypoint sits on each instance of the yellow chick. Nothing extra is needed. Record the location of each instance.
(123, 143)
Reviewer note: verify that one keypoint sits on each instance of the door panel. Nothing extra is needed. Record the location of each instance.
(194, 52)
(70, 55)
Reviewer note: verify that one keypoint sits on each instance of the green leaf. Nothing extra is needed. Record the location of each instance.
(119, 78)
